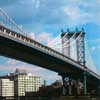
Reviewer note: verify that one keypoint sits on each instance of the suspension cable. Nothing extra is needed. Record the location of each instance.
(12, 21)
(91, 58)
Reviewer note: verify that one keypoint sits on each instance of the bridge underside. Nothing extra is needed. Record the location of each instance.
(19, 51)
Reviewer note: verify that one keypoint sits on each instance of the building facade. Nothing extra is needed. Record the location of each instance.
(17, 85)
(6, 88)
(26, 83)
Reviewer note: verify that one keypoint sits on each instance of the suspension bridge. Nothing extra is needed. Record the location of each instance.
(65, 55)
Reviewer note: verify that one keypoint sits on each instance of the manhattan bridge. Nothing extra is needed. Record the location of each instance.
(68, 54)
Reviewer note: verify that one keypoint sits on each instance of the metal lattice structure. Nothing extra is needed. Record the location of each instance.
(65, 50)
(78, 37)
(81, 49)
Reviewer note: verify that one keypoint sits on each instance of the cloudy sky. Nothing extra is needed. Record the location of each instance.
(44, 19)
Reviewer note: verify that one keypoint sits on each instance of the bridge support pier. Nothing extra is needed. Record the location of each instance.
(74, 86)
(67, 84)
(64, 90)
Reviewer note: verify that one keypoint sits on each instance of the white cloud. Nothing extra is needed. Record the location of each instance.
(32, 35)
(94, 40)
(51, 12)
(95, 43)
(44, 37)
(72, 12)
(11, 62)
(37, 4)
(76, 15)
(93, 48)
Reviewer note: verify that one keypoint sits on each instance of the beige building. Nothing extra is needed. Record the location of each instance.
(26, 83)
(6, 88)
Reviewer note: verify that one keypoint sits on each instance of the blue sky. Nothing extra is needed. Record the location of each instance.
(43, 20)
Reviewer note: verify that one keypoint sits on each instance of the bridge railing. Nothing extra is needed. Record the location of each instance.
(43, 48)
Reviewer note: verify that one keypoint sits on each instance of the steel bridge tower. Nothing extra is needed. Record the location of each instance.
(79, 38)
